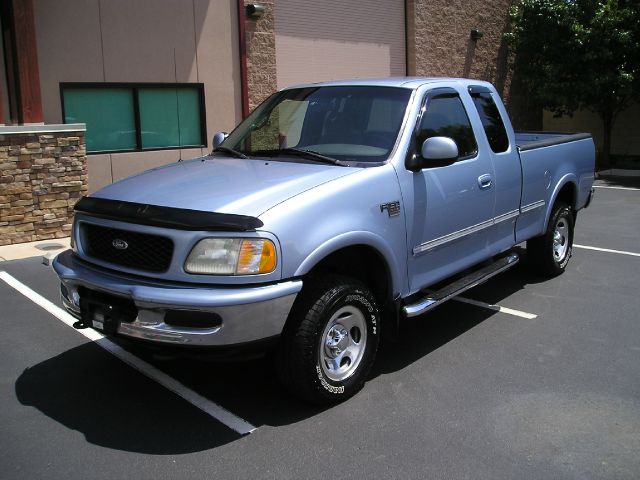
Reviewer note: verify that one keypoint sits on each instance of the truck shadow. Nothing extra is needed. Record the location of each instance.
(422, 335)
(87, 390)
(114, 406)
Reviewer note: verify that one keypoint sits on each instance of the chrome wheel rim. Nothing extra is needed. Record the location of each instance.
(560, 240)
(343, 343)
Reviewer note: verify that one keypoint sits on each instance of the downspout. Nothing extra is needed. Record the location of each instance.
(244, 87)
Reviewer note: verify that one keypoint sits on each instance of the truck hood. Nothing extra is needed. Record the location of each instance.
(224, 185)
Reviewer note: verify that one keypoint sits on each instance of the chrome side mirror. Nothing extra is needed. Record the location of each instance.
(440, 149)
(218, 138)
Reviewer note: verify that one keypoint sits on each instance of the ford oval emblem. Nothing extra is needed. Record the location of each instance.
(119, 244)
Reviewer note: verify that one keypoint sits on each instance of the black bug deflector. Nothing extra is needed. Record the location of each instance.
(168, 217)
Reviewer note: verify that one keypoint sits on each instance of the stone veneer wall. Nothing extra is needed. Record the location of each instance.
(43, 173)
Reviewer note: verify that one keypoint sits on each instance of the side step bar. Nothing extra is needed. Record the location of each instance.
(434, 298)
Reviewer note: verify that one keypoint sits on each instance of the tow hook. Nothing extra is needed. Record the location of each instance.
(80, 324)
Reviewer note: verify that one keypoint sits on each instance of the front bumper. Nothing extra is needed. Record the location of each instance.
(247, 314)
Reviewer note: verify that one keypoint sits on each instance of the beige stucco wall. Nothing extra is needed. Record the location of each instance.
(141, 41)
(625, 139)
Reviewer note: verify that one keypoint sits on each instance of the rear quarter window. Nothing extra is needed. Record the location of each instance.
(491, 122)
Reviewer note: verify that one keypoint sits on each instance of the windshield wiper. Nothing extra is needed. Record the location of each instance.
(299, 152)
(233, 152)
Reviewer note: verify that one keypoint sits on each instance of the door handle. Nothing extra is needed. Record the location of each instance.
(485, 181)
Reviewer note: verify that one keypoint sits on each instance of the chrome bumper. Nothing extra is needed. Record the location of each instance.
(247, 313)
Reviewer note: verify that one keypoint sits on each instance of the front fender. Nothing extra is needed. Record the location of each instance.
(351, 239)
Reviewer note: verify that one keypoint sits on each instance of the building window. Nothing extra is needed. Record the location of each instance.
(136, 117)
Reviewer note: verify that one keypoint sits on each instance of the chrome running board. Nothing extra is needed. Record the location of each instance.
(434, 298)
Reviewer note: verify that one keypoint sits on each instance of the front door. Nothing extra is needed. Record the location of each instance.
(453, 204)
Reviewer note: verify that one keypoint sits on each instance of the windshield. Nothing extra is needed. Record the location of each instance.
(349, 124)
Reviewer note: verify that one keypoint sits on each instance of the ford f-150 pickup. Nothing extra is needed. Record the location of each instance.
(331, 213)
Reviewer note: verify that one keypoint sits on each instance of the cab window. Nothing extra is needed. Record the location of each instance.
(445, 116)
(491, 121)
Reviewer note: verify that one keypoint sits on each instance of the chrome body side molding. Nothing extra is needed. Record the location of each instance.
(450, 237)
(532, 206)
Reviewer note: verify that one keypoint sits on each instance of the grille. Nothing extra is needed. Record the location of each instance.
(140, 251)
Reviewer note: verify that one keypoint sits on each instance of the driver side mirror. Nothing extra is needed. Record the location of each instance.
(434, 152)
(440, 149)
(218, 138)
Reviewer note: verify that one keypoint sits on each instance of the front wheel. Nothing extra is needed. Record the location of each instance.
(549, 253)
(330, 340)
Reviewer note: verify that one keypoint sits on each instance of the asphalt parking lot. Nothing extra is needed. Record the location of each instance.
(546, 387)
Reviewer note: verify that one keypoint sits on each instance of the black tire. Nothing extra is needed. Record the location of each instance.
(310, 340)
(549, 253)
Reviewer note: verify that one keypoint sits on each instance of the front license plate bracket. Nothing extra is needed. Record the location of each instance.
(104, 313)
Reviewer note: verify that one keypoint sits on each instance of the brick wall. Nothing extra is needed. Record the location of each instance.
(43, 173)
(261, 55)
(439, 44)
(440, 41)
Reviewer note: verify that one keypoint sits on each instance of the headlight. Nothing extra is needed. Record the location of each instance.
(232, 256)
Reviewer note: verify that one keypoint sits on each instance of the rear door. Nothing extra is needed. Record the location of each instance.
(453, 204)
(506, 163)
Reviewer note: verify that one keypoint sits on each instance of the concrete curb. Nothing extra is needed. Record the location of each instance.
(47, 249)
(619, 172)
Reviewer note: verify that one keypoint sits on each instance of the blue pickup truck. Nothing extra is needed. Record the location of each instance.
(331, 213)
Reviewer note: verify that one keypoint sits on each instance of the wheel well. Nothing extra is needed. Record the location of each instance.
(363, 263)
(567, 194)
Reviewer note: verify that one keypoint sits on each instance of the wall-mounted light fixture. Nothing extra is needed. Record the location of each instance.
(476, 34)
(254, 10)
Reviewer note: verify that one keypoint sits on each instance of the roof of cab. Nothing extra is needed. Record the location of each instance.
(403, 82)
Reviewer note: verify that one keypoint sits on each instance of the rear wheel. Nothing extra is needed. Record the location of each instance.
(330, 341)
(549, 253)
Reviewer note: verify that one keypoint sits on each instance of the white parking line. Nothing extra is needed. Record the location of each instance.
(616, 188)
(497, 308)
(216, 411)
(608, 250)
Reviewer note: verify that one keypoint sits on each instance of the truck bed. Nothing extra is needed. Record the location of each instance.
(549, 160)
(530, 140)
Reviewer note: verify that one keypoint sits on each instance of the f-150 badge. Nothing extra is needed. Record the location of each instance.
(392, 208)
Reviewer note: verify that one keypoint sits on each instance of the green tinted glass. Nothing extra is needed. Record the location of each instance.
(108, 113)
(169, 117)
(189, 116)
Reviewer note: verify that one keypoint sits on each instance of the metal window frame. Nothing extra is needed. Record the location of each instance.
(426, 101)
(135, 87)
(479, 90)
